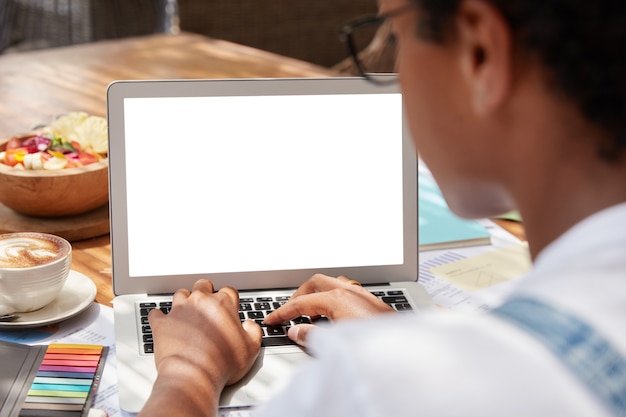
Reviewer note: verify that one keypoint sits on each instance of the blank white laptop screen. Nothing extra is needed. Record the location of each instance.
(295, 184)
(259, 183)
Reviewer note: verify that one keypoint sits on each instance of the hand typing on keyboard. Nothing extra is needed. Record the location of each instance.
(215, 337)
(200, 339)
(355, 302)
(335, 298)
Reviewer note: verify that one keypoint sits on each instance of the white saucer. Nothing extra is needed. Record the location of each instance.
(76, 296)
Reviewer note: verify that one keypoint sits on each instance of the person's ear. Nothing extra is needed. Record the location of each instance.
(485, 52)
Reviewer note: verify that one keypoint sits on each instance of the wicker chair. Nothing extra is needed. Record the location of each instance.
(37, 24)
(123, 18)
(303, 29)
(6, 16)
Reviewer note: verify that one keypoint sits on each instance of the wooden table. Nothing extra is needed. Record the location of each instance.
(37, 86)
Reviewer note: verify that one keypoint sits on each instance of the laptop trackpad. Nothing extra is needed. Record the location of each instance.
(269, 374)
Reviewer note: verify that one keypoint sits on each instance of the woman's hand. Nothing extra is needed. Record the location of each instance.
(200, 347)
(335, 298)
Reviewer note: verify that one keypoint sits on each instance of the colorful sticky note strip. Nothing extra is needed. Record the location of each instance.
(69, 362)
(74, 349)
(62, 356)
(67, 368)
(56, 393)
(66, 374)
(65, 381)
(60, 387)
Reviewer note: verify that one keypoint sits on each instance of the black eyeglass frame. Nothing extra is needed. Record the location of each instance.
(346, 35)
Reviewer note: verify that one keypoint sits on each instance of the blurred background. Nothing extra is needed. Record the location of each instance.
(302, 29)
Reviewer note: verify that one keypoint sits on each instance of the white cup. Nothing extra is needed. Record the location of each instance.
(33, 269)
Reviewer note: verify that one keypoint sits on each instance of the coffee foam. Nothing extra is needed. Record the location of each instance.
(26, 251)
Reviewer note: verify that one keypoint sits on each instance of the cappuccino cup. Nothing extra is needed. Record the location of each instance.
(33, 269)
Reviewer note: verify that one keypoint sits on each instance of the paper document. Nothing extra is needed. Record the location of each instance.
(476, 278)
(486, 270)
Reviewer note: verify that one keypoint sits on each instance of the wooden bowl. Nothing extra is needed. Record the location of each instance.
(54, 193)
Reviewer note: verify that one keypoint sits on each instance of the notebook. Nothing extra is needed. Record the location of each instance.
(256, 184)
(439, 227)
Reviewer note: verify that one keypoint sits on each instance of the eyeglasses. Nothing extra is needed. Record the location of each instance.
(371, 45)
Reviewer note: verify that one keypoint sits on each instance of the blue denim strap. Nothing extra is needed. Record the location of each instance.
(582, 349)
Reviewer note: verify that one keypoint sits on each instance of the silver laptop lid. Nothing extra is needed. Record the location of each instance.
(259, 183)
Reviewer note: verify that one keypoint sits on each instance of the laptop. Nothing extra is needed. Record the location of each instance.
(256, 184)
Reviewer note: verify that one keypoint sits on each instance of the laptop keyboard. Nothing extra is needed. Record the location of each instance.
(256, 308)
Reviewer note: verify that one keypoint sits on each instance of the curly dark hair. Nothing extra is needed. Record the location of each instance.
(582, 43)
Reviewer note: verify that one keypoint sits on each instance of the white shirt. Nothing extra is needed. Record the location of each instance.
(452, 364)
